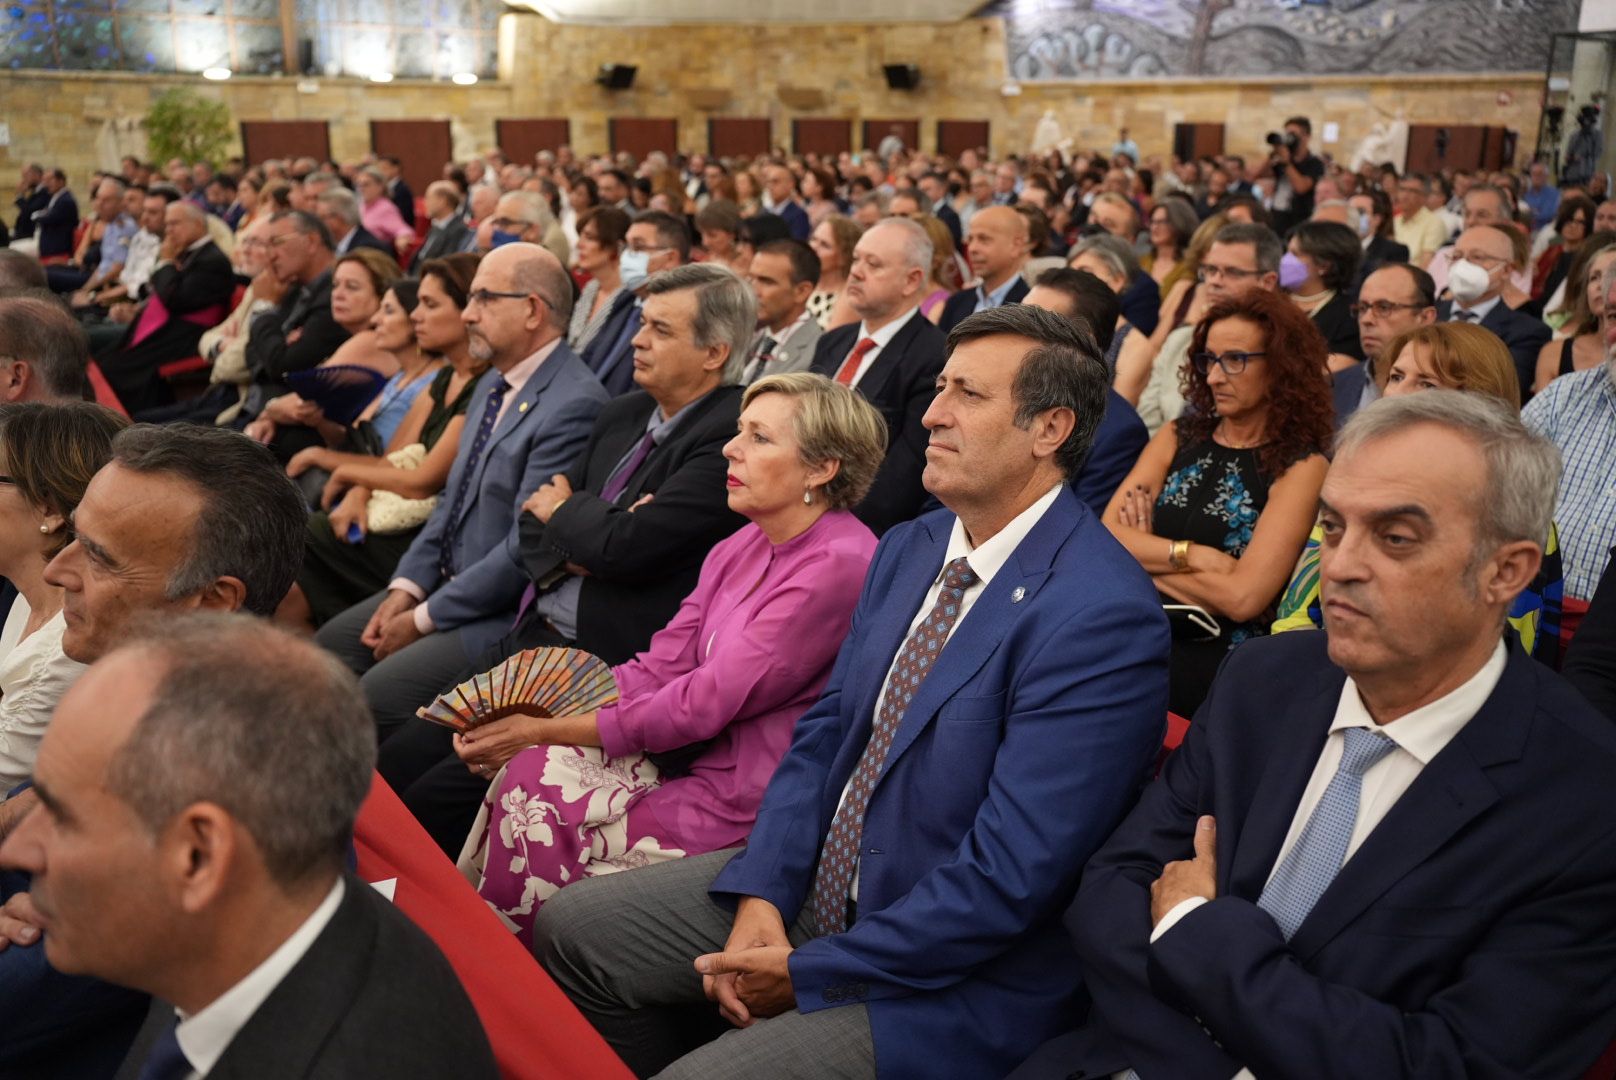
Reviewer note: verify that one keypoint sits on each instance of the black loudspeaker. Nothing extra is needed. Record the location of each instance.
(902, 76)
(305, 56)
(616, 76)
(1184, 142)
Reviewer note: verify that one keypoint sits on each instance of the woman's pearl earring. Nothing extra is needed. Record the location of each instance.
(807, 496)
(44, 528)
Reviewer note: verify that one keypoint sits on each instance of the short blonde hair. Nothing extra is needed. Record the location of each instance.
(1463, 357)
(831, 423)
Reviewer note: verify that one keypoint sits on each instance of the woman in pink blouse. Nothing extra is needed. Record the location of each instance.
(678, 765)
(377, 212)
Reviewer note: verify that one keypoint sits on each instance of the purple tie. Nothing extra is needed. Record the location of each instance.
(616, 484)
(833, 877)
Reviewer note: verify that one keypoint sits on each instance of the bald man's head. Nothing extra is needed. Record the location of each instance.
(996, 245)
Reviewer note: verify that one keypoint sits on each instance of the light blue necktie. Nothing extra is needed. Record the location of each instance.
(1316, 858)
(1310, 866)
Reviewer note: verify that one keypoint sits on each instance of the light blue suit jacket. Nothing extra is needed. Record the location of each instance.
(542, 432)
(1019, 754)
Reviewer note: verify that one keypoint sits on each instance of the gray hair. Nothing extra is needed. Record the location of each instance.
(375, 174)
(340, 203)
(530, 207)
(266, 725)
(37, 329)
(1064, 369)
(1267, 246)
(917, 246)
(1115, 252)
(1523, 469)
(922, 201)
(19, 271)
(253, 518)
(726, 308)
(305, 224)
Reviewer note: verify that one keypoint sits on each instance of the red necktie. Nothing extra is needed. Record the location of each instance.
(850, 366)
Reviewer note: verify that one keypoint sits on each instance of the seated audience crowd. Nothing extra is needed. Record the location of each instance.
(1056, 614)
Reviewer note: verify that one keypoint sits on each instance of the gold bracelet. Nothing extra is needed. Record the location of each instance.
(1180, 557)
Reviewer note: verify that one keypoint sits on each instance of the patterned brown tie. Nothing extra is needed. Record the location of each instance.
(833, 877)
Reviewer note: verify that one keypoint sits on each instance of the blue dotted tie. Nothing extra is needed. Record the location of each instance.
(485, 428)
(166, 1060)
(1310, 865)
(833, 877)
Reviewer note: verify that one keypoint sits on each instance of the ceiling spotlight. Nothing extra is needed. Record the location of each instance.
(464, 78)
(217, 74)
(381, 76)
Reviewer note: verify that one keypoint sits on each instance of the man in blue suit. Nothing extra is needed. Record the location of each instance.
(1002, 691)
(457, 587)
(1387, 850)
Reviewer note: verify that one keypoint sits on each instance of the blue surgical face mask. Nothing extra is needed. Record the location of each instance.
(1363, 223)
(499, 238)
(1292, 272)
(633, 267)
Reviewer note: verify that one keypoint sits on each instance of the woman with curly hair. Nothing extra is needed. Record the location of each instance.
(1220, 502)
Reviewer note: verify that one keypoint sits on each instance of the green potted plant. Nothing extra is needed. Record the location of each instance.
(183, 124)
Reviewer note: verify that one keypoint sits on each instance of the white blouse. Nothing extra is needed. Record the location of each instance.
(34, 674)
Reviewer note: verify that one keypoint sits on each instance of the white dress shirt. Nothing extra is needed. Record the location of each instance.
(34, 674)
(205, 1036)
(986, 561)
(137, 269)
(883, 337)
(1420, 736)
(517, 378)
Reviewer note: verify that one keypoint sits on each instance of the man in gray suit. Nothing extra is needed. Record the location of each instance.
(457, 587)
(223, 763)
(448, 234)
(784, 273)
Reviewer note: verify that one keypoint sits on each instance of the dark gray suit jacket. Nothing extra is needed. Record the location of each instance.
(450, 239)
(372, 997)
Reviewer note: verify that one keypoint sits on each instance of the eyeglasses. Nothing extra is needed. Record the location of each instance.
(1232, 362)
(1480, 258)
(486, 296)
(1214, 273)
(1382, 309)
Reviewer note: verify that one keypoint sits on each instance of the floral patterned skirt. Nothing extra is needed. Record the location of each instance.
(553, 815)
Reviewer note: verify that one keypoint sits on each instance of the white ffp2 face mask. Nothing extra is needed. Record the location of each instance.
(1468, 282)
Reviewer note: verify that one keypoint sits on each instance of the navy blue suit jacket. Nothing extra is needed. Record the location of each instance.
(962, 305)
(610, 353)
(1472, 934)
(56, 225)
(1018, 755)
(1346, 388)
(1117, 445)
(1523, 335)
(796, 219)
(540, 434)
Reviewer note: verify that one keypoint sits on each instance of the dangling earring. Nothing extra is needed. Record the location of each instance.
(807, 496)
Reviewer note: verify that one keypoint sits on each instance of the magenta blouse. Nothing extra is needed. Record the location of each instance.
(748, 651)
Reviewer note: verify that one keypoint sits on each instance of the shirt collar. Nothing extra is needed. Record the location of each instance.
(1481, 310)
(517, 377)
(996, 297)
(784, 335)
(883, 337)
(992, 554)
(1425, 731)
(205, 1036)
(200, 244)
(342, 245)
(660, 427)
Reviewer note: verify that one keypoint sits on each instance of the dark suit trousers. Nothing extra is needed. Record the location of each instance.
(419, 763)
(621, 946)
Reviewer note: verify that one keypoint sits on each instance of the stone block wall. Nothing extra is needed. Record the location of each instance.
(693, 72)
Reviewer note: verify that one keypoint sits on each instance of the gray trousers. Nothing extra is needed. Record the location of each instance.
(623, 947)
(406, 680)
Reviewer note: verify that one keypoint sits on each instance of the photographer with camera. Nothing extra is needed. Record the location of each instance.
(1295, 171)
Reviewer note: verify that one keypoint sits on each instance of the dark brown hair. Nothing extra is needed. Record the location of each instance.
(52, 452)
(1301, 412)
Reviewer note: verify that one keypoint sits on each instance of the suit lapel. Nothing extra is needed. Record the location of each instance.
(985, 625)
(516, 414)
(889, 359)
(1448, 794)
(832, 348)
(1290, 751)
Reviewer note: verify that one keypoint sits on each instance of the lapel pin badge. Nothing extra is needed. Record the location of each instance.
(522, 408)
(1018, 594)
